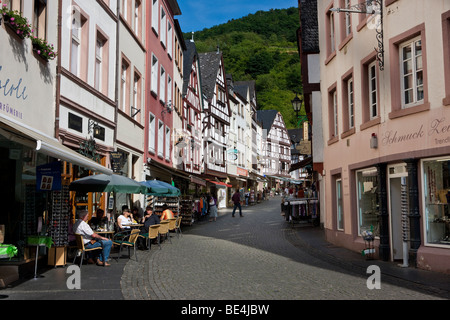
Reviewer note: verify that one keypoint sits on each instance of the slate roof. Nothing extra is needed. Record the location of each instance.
(309, 26)
(188, 59)
(209, 64)
(266, 118)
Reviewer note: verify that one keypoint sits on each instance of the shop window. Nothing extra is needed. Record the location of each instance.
(368, 200)
(436, 182)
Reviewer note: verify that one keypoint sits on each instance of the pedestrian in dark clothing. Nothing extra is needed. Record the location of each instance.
(237, 203)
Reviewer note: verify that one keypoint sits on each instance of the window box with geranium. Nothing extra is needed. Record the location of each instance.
(16, 22)
(45, 50)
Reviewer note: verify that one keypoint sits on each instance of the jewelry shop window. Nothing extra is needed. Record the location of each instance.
(436, 185)
(368, 201)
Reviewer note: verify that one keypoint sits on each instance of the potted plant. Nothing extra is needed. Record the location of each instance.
(16, 22)
(44, 49)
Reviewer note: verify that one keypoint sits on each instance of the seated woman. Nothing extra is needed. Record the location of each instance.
(167, 213)
(124, 220)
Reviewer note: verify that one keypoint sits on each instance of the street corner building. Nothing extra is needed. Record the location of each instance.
(385, 92)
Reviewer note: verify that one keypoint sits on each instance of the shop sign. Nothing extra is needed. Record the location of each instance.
(16, 90)
(242, 172)
(117, 161)
(48, 177)
(438, 131)
(304, 147)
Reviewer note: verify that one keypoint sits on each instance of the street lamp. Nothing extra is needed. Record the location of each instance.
(297, 105)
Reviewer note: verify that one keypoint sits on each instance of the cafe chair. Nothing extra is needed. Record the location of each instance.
(164, 229)
(82, 249)
(128, 241)
(172, 225)
(178, 225)
(153, 233)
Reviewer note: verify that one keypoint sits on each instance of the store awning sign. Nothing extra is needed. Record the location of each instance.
(48, 177)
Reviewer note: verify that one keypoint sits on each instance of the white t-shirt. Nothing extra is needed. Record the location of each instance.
(83, 228)
(124, 221)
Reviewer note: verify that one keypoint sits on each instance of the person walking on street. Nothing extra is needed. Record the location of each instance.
(237, 202)
(212, 209)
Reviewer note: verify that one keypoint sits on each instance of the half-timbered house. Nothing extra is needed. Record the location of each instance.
(277, 155)
(216, 117)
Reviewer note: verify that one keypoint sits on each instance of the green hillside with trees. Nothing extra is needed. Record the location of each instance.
(260, 47)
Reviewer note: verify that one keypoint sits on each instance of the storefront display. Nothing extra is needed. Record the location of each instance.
(368, 201)
(436, 184)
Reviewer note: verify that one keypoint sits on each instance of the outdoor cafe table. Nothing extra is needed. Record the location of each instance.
(107, 233)
(39, 241)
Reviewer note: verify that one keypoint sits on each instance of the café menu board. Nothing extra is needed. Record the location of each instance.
(117, 161)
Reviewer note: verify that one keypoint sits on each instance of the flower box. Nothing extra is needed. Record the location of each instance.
(18, 24)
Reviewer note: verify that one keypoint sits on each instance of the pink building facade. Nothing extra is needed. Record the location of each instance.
(159, 87)
(386, 130)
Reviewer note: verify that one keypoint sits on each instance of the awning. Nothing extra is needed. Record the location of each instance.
(47, 145)
(300, 164)
(198, 181)
(220, 184)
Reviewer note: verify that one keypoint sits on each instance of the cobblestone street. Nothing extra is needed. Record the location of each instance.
(254, 257)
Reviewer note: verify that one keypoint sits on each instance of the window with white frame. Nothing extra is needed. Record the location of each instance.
(333, 115)
(167, 151)
(169, 39)
(40, 19)
(137, 17)
(124, 85)
(162, 85)
(136, 95)
(339, 206)
(155, 15)
(169, 91)
(351, 111)
(411, 72)
(348, 19)
(152, 134)
(163, 27)
(160, 139)
(98, 62)
(154, 84)
(373, 104)
(76, 44)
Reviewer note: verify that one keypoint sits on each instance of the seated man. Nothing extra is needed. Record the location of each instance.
(150, 218)
(91, 239)
(167, 213)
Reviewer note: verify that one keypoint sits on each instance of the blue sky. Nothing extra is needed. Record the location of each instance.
(199, 14)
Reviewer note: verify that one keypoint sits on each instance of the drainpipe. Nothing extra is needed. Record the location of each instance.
(116, 113)
(58, 71)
